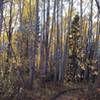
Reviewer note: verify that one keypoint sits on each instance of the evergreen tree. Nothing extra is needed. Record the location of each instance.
(74, 47)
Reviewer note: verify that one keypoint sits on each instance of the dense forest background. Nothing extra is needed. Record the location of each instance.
(49, 49)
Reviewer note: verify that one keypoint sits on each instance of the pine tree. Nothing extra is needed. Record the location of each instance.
(74, 47)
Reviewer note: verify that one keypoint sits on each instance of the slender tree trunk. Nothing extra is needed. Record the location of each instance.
(81, 14)
(61, 70)
(42, 40)
(19, 69)
(66, 45)
(51, 36)
(1, 42)
(34, 47)
(20, 13)
(31, 65)
(97, 54)
(1, 15)
(45, 69)
(57, 44)
(9, 34)
(89, 42)
(81, 32)
(98, 5)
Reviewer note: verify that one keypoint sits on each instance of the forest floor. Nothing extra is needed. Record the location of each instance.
(69, 91)
(53, 91)
(58, 91)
